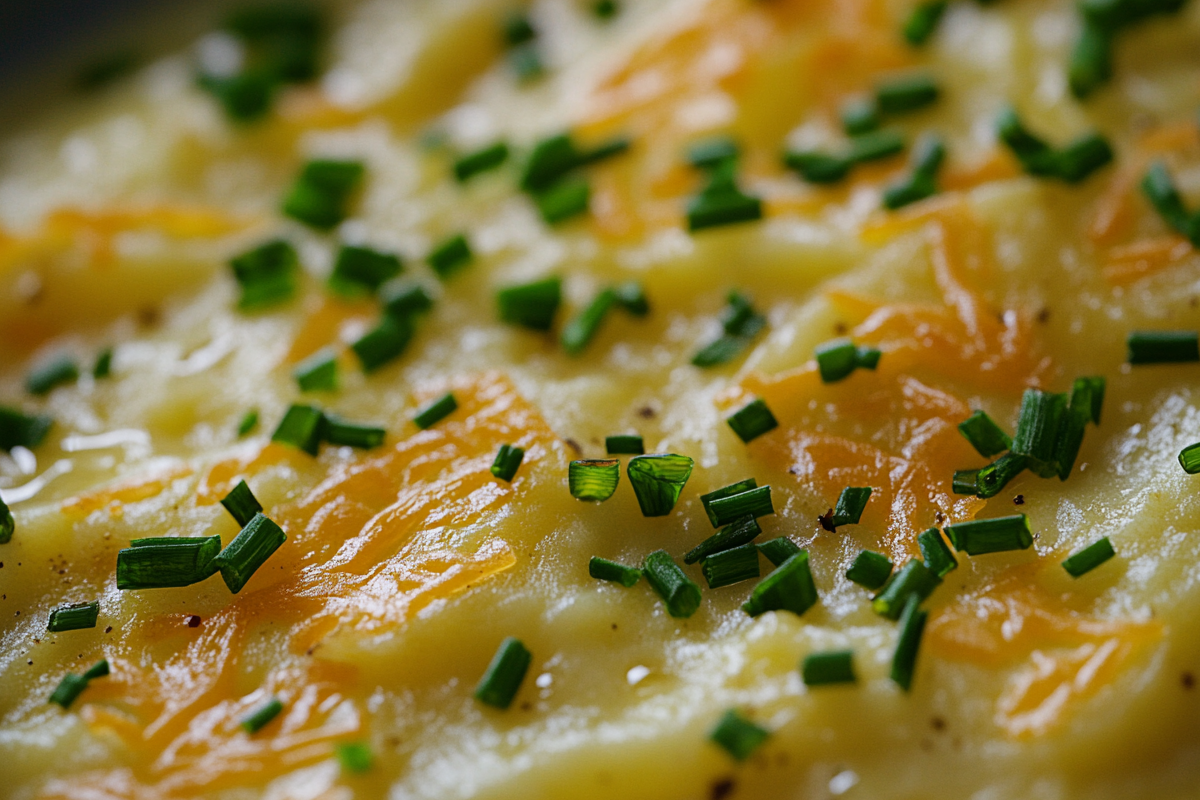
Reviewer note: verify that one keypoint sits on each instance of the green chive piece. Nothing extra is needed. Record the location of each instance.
(914, 579)
(504, 674)
(165, 562)
(287, 32)
(436, 411)
(594, 480)
(1038, 425)
(836, 359)
(531, 305)
(74, 617)
(631, 296)
(722, 203)
(98, 670)
(526, 63)
(405, 300)
(552, 158)
(301, 427)
(778, 550)
(937, 554)
(752, 420)
(361, 270)
(658, 480)
(1161, 192)
(246, 97)
(1082, 157)
(711, 152)
(68, 689)
(1091, 60)
(818, 167)
(248, 423)
(928, 154)
(564, 200)
(859, 115)
(725, 491)
(875, 146)
(870, 570)
(518, 29)
(741, 324)
(605, 150)
(868, 357)
(924, 21)
(731, 566)
(1072, 163)
(1079, 414)
(1095, 387)
(266, 274)
(984, 434)
(354, 758)
(605, 9)
(1089, 558)
(384, 343)
(1189, 459)
(624, 445)
(318, 372)
(738, 736)
(450, 256)
(258, 719)
(508, 461)
(1163, 347)
(850, 505)
(822, 669)
(906, 93)
(22, 430)
(966, 481)
(320, 194)
(8, 525)
(55, 372)
(982, 536)
(478, 161)
(753, 502)
(605, 570)
(103, 366)
(248, 551)
(789, 587)
(912, 626)
(343, 433)
(679, 593)
(990, 480)
(580, 330)
(733, 535)
(241, 504)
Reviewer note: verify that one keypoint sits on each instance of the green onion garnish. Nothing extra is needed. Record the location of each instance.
(164, 562)
(818, 167)
(725, 491)
(752, 420)
(679, 593)
(1095, 390)
(1163, 347)
(731, 566)
(966, 481)
(737, 735)
(552, 158)
(1161, 192)
(68, 689)
(875, 146)
(789, 587)
(928, 154)
(384, 343)
(912, 625)
(8, 525)
(734, 535)
(518, 29)
(1080, 411)
(44, 377)
(359, 270)
(984, 434)
(605, 570)
(990, 480)
(907, 93)
(741, 323)
(778, 550)
(870, 570)
(531, 305)
(405, 300)
(631, 296)
(605, 9)
(913, 579)
(1089, 558)
(103, 366)
(436, 411)
(981, 536)
(850, 505)
(508, 461)
(752, 502)
(624, 445)
(487, 158)
(321, 192)
(564, 200)
(301, 427)
(241, 504)
(245, 97)
(450, 255)
(711, 152)
(579, 331)
(526, 63)
(658, 480)
(266, 274)
(1038, 426)
(318, 372)
(248, 422)
(822, 669)
(248, 551)
(22, 430)
(1072, 163)
(859, 115)
(923, 21)
(343, 433)
(257, 719)
(1083, 156)
(1189, 459)
(594, 480)
(74, 617)
(836, 359)
(937, 554)
(98, 670)
(504, 674)
(354, 758)
(1091, 60)
(721, 202)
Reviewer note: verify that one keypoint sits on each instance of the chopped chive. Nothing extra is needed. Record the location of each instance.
(1038, 425)
(733, 535)
(526, 63)
(1189, 459)
(836, 359)
(725, 491)
(984, 434)
(518, 29)
(679, 593)
(241, 504)
(165, 562)
(1163, 347)
(906, 93)
(938, 556)
(1083, 156)
(631, 296)
(486, 158)
(778, 550)
(990, 480)
(58, 371)
(344, 433)
(246, 97)
(502, 680)
(98, 670)
(531, 305)
(817, 167)
(912, 625)
(103, 366)
(713, 151)
(928, 155)
(789, 587)
(384, 343)
(508, 461)
(741, 324)
(564, 200)
(74, 617)
(550, 160)
(731, 566)
(321, 192)
(436, 411)
(752, 502)
(752, 420)
(1090, 65)
(868, 357)
(248, 422)
(914, 579)
(605, 9)
(318, 372)
(301, 427)
(248, 551)
(22, 430)
(720, 351)
(1035, 154)
(1095, 387)
(738, 736)
(1089, 557)
(258, 719)
(875, 146)
(605, 570)
(859, 115)
(8, 525)
(850, 505)
(358, 270)
(354, 758)
(822, 669)
(965, 481)
(68, 689)
(624, 445)
(924, 21)
(266, 274)
(870, 570)
(1161, 192)
(722, 203)
(406, 299)
(578, 332)
(1078, 415)
(605, 150)
(658, 480)
(449, 256)
(594, 480)
(981, 536)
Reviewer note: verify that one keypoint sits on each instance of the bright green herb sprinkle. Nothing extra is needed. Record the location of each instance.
(778, 550)
(850, 505)
(68, 689)
(55, 372)
(248, 551)
(731, 566)
(580, 330)
(531, 305)
(593, 480)
(564, 200)
(923, 21)
(721, 202)
(1160, 190)
(605, 570)
(361, 270)
(906, 93)
(990, 480)
(103, 366)
(318, 372)
(450, 255)
(859, 115)
(355, 758)
(752, 420)
(302, 428)
(164, 562)
(912, 626)
(658, 480)
(74, 617)
(266, 274)
(258, 719)
(914, 579)
(1072, 163)
(478, 161)
(679, 593)
(98, 670)
(605, 9)
(384, 343)
(502, 680)
(322, 191)
(738, 736)
(248, 422)
(508, 461)
(984, 434)
(343, 433)
(822, 669)
(713, 151)
(789, 587)
(624, 445)
(1189, 459)
(517, 29)
(1089, 558)
(1163, 347)
(937, 554)
(8, 525)
(631, 296)
(965, 481)
(405, 300)
(436, 411)
(740, 323)
(928, 155)
(836, 359)
(725, 491)
(526, 63)
(870, 570)
(754, 502)
(982, 536)
(241, 504)
(18, 429)
(733, 535)
(1039, 425)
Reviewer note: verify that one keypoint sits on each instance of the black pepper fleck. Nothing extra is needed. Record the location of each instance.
(1019, 500)
(1188, 680)
(826, 521)
(721, 788)
(193, 621)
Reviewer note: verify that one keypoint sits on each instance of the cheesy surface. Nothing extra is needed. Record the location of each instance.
(407, 564)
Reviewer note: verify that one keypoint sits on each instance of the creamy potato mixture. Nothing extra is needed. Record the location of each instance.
(949, 204)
